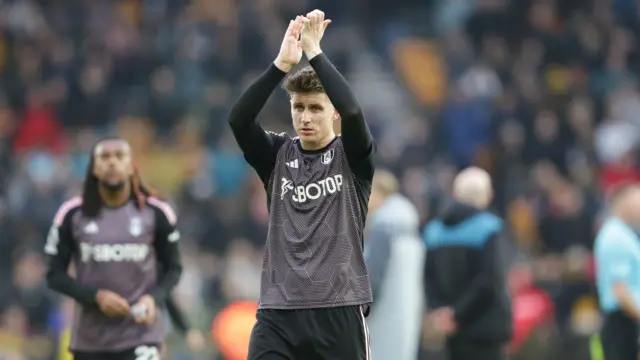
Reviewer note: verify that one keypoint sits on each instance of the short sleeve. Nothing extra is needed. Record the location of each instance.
(615, 263)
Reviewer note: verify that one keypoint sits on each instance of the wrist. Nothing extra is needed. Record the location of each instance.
(98, 297)
(313, 52)
(282, 66)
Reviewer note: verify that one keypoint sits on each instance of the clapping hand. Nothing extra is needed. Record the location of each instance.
(291, 48)
(313, 29)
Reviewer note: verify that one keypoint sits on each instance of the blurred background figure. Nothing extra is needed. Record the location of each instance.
(467, 296)
(542, 94)
(394, 254)
(617, 254)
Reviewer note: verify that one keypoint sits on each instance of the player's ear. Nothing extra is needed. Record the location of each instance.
(336, 115)
(337, 124)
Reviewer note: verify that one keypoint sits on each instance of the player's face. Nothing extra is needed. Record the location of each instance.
(313, 118)
(112, 164)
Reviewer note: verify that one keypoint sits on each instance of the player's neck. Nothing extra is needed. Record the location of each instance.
(317, 145)
(115, 198)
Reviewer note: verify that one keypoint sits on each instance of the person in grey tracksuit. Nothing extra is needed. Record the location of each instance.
(394, 254)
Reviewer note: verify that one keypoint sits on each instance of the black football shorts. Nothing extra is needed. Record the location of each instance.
(142, 352)
(310, 334)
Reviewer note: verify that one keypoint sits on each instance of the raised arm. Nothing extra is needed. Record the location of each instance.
(260, 147)
(356, 136)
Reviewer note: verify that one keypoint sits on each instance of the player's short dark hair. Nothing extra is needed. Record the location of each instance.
(304, 80)
(92, 201)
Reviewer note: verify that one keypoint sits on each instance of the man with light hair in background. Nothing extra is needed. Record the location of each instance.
(464, 273)
(395, 256)
(617, 256)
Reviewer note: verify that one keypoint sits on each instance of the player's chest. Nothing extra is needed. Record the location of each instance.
(115, 228)
(300, 168)
(307, 178)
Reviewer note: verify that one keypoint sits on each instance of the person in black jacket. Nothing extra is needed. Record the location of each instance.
(464, 273)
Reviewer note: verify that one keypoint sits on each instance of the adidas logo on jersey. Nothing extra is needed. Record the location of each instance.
(293, 164)
(312, 191)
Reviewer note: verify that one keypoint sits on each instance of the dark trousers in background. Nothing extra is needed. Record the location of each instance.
(462, 349)
(619, 337)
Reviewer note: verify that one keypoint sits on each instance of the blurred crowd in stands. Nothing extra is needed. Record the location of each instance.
(542, 93)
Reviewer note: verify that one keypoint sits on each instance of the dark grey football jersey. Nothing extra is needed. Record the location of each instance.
(314, 253)
(114, 251)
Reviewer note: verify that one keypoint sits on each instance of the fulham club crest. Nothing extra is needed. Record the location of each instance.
(327, 157)
(135, 227)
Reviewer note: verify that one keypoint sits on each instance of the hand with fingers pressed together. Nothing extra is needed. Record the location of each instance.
(148, 315)
(313, 27)
(291, 49)
(111, 304)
